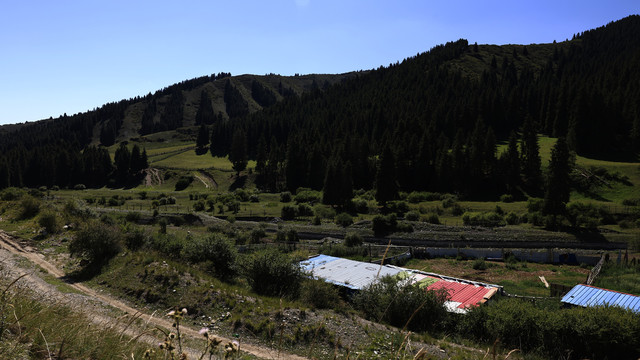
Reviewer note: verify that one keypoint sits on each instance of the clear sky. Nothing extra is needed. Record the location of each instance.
(72, 56)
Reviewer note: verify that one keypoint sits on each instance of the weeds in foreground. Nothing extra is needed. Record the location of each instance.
(171, 347)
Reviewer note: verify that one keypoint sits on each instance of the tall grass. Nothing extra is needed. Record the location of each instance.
(31, 328)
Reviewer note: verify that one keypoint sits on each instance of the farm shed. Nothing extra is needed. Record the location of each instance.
(351, 274)
(355, 275)
(586, 295)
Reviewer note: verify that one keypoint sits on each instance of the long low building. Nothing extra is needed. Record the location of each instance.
(586, 296)
(356, 275)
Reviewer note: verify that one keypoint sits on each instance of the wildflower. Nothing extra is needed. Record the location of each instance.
(172, 336)
(171, 313)
(162, 346)
(215, 341)
(184, 311)
(204, 332)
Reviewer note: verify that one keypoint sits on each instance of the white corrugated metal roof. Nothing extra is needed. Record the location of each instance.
(349, 273)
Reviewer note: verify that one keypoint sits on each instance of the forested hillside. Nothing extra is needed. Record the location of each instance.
(431, 122)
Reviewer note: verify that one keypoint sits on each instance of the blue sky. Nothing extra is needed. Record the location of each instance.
(72, 56)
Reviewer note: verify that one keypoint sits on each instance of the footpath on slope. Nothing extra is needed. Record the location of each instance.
(9, 246)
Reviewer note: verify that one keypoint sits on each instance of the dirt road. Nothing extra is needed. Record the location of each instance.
(10, 245)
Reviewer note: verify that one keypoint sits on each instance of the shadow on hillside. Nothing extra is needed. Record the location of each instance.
(238, 183)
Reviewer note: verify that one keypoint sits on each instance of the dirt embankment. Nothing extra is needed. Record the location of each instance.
(95, 305)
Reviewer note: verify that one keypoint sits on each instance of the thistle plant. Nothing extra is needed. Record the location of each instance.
(212, 343)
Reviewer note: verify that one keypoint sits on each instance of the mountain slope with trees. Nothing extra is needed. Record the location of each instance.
(441, 114)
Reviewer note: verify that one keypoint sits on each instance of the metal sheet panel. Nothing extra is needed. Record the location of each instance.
(349, 273)
(584, 295)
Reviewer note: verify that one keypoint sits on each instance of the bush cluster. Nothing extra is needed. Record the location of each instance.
(594, 332)
(273, 273)
(403, 305)
(487, 219)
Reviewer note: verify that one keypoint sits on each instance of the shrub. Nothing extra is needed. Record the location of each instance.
(307, 196)
(401, 304)
(490, 219)
(324, 212)
(135, 238)
(344, 219)
(581, 332)
(183, 182)
(219, 253)
(285, 197)
(96, 242)
(292, 235)
(132, 216)
(199, 206)
(588, 215)
(273, 273)
(254, 198)
(305, 210)
(29, 207)
(535, 204)
(256, 235)
(383, 225)
(479, 264)
(404, 227)
(289, 212)
(319, 294)
(359, 206)
(353, 239)
(162, 223)
(512, 219)
(456, 209)
(448, 201)
(433, 219)
(49, 221)
(506, 198)
(417, 197)
(412, 216)
(11, 194)
(398, 207)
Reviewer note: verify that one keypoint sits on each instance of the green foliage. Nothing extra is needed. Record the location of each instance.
(132, 216)
(324, 212)
(506, 198)
(412, 215)
(359, 206)
(272, 273)
(305, 209)
(135, 238)
(352, 239)
(183, 182)
(479, 264)
(403, 305)
(594, 332)
(487, 219)
(419, 196)
(433, 218)
(319, 294)
(49, 221)
(218, 252)
(304, 195)
(344, 219)
(398, 207)
(29, 207)
(289, 212)
(285, 196)
(588, 215)
(512, 218)
(96, 242)
(383, 225)
(535, 204)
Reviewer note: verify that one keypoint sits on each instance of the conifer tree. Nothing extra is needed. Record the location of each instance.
(122, 162)
(203, 139)
(386, 183)
(238, 154)
(531, 163)
(558, 184)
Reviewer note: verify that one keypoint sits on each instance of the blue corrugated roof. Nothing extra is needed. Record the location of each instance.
(585, 295)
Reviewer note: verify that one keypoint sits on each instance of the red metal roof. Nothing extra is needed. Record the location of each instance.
(465, 294)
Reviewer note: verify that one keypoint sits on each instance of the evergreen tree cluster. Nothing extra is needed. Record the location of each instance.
(438, 115)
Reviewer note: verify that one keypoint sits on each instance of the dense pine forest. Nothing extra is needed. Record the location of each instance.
(432, 122)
